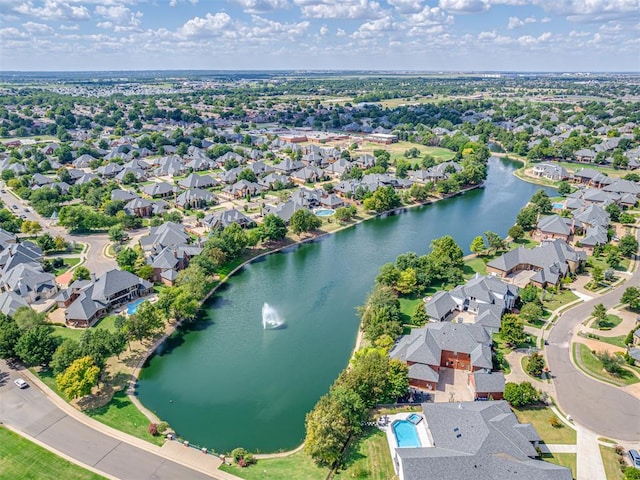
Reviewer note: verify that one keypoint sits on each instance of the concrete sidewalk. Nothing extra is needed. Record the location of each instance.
(589, 459)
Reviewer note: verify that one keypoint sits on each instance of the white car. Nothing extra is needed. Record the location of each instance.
(21, 383)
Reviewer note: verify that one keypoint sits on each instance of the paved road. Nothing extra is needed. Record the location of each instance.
(31, 412)
(600, 407)
(95, 260)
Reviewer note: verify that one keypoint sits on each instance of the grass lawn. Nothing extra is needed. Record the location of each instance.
(368, 457)
(602, 263)
(408, 307)
(539, 416)
(108, 323)
(526, 242)
(617, 341)
(396, 150)
(588, 362)
(64, 332)
(608, 323)
(475, 265)
(568, 460)
(68, 263)
(612, 468)
(557, 300)
(121, 414)
(298, 466)
(22, 459)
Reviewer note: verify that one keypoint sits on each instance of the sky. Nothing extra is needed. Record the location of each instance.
(411, 35)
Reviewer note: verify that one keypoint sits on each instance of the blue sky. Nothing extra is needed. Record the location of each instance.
(432, 35)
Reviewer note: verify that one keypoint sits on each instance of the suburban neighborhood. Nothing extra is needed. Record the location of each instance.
(132, 212)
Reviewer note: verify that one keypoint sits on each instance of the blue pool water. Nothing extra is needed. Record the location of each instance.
(406, 434)
(133, 307)
(414, 418)
(558, 206)
(325, 212)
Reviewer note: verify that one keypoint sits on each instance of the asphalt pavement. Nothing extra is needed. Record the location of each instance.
(30, 411)
(601, 407)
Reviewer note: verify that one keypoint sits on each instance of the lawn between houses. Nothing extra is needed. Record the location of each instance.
(591, 365)
(23, 459)
(612, 467)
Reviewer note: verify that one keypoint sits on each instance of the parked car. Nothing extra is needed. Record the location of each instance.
(15, 207)
(635, 458)
(21, 383)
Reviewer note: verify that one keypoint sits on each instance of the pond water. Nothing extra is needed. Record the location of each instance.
(230, 382)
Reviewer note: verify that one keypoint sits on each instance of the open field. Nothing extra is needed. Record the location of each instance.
(21, 459)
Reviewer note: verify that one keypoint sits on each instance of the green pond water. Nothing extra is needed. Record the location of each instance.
(228, 382)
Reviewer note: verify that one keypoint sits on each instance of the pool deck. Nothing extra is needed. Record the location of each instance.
(421, 428)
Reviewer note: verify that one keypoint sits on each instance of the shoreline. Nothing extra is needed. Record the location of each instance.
(172, 328)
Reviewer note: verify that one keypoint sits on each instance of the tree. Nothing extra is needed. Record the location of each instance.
(407, 281)
(419, 316)
(9, 336)
(117, 233)
(327, 429)
(477, 245)
(126, 258)
(144, 323)
(614, 211)
(535, 364)
(494, 241)
(272, 228)
(382, 200)
(531, 312)
(627, 218)
(78, 380)
(527, 218)
(516, 232)
(613, 257)
(611, 362)
(344, 214)
(81, 273)
(520, 394)
(36, 346)
(27, 318)
(628, 245)
(564, 188)
(631, 296)
(303, 220)
(66, 353)
(30, 227)
(512, 329)
(599, 313)
(597, 275)
(541, 201)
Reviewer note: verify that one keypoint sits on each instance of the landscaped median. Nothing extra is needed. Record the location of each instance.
(592, 366)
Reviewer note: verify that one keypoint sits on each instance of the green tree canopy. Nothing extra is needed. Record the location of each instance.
(78, 380)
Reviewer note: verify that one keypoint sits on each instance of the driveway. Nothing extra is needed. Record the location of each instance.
(608, 410)
(31, 412)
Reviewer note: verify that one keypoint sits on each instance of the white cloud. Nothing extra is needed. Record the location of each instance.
(592, 11)
(261, 6)
(374, 28)
(545, 20)
(175, 3)
(464, 6)
(515, 22)
(429, 17)
(352, 9)
(118, 17)
(210, 24)
(38, 28)
(324, 30)
(267, 30)
(53, 10)
(406, 6)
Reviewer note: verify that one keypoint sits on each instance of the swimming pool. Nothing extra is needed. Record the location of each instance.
(558, 206)
(406, 434)
(414, 418)
(133, 307)
(324, 212)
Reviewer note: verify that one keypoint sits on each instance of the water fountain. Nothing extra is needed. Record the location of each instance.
(270, 318)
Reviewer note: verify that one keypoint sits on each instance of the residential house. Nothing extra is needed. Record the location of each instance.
(160, 189)
(29, 281)
(550, 171)
(222, 219)
(92, 300)
(429, 349)
(554, 226)
(486, 385)
(195, 198)
(10, 302)
(475, 441)
(197, 181)
(551, 261)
